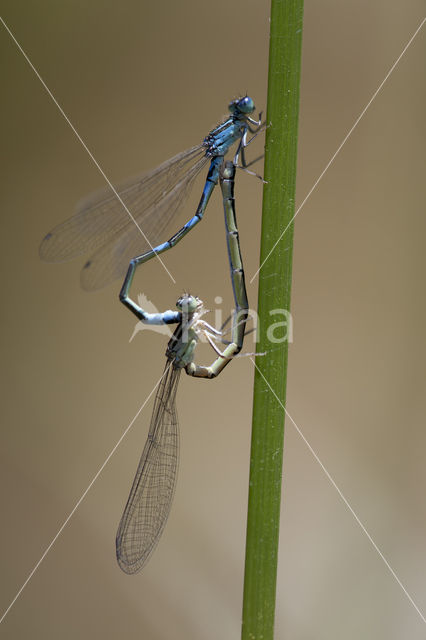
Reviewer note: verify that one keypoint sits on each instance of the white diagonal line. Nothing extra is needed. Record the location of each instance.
(342, 496)
(80, 500)
(96, 163)
(333, 157)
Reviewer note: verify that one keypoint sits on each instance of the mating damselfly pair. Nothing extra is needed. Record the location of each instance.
(122, 230)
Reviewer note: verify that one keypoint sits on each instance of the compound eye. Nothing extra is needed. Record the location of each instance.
(188, 303)
(246, 105)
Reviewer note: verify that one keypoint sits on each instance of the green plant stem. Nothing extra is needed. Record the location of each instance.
(274, 293)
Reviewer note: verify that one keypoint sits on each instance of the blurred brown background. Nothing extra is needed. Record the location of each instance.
(141, 81)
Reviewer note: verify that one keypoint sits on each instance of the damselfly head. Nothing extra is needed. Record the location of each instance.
(188, 303)
(242, 105)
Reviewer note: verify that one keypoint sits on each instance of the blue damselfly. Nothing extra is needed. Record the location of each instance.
(114, 230)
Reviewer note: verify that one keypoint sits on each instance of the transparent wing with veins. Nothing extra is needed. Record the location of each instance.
(103, 227)
(151, 496)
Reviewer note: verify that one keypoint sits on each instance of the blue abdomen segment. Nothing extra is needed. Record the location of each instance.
(167, 317)
(211, 181)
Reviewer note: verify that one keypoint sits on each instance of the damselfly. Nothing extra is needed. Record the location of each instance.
(116, 226)
(150, 499)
